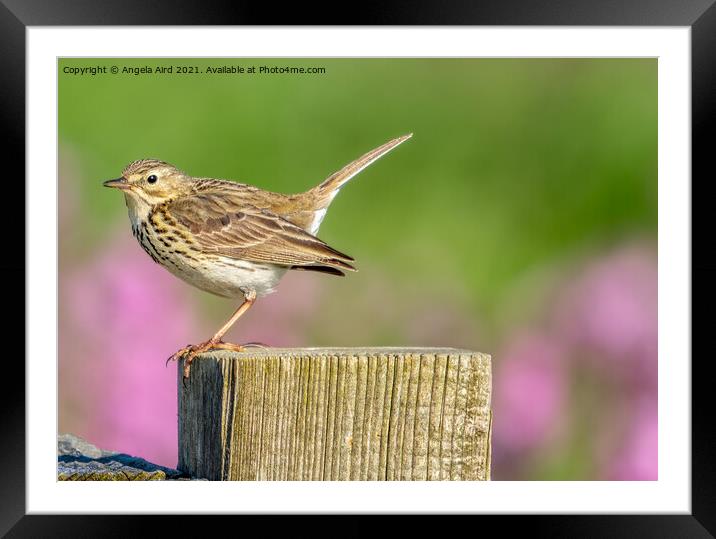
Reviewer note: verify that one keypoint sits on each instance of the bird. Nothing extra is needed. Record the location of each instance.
(232, 239)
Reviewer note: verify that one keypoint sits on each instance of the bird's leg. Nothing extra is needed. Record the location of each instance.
(191, 351)
(249, 299)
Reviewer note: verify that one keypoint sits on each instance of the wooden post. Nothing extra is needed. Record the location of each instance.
(337, 414)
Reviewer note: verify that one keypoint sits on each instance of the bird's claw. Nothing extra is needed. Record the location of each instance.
(190, 351)
(176, 356)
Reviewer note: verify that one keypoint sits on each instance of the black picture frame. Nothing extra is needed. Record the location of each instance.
(16, 15)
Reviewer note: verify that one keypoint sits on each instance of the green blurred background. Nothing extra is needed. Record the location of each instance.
(520, 220)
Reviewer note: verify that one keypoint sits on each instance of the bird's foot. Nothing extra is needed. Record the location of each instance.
(190, 351)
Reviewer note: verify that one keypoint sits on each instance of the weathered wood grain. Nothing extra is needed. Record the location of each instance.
(337, 414)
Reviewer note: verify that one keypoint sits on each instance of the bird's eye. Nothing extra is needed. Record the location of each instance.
(151, 179)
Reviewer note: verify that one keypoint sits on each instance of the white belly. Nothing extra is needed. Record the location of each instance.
(228, 277)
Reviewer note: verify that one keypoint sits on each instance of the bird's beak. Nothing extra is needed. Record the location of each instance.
(119, 183)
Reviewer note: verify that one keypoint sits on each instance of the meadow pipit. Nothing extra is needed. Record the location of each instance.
(228, 238)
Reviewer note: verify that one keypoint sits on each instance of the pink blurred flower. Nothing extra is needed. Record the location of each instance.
(121, 316)
(530, 393)
(608, 317)
(637, 458)
(612, 309)
(604, 323)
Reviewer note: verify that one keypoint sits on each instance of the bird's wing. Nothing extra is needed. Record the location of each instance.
(246, 232)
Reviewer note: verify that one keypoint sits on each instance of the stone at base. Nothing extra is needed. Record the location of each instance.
(79, 460)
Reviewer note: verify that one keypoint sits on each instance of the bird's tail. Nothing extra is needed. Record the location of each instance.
(324, 192)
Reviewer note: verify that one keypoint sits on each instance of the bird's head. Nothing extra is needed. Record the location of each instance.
(151, 182)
